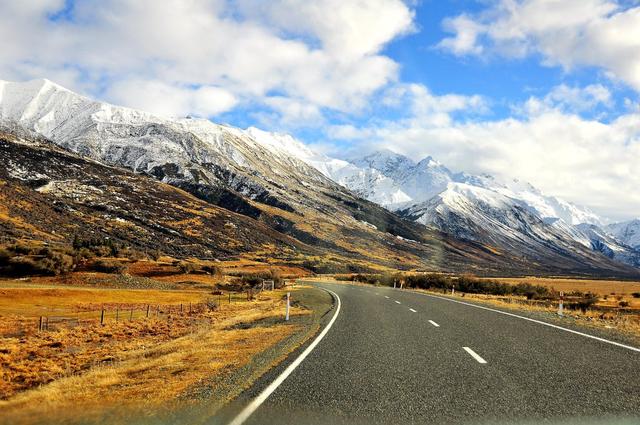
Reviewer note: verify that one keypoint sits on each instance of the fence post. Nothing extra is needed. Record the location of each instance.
(131, 315)
(117, 313)
(40, 324)
(229, 297)
(47, 322)
(288, 306)
(180, 308)
(147, 310)
(102, 317)
(189, 307)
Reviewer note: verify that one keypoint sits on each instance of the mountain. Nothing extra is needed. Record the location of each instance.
(52, 195)
(273, 180)
(329, 226)
(627, 232)
(506, 213)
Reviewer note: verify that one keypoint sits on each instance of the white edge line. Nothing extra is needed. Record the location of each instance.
(256, 402)
(434, 323)
(413, 310)
(540, 322)
(474, 355)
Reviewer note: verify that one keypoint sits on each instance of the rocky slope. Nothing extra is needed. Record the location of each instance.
(269, 179)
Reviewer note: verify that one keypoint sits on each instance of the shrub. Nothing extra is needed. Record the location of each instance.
(636, 295)
(22, 260)
(586, 303)
(188, 267)
(213, 270)
(108, 266)
(623, 304)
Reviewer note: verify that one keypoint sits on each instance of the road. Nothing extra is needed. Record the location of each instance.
(395, 356)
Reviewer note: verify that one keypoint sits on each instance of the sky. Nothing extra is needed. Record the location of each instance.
(546, 91)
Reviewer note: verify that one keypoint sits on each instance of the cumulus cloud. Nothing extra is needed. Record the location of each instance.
(569, 99)
(583, 160)
(566, 33)
(325, 53)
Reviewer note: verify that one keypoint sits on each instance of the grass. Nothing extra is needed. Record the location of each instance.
(83, 371)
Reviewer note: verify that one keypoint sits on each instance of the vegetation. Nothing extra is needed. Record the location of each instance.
(467, 284)
(25, 260)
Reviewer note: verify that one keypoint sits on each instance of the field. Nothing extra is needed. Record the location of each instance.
(123, 346)
(610, 292)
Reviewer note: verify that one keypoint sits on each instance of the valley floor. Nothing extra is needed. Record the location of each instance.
(179, 344)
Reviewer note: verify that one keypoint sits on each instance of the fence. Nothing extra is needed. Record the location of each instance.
(116, 313)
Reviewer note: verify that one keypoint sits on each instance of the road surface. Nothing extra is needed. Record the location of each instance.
(394, 356)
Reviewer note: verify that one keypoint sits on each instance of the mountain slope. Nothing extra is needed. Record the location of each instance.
(266, 178)
(627, 232)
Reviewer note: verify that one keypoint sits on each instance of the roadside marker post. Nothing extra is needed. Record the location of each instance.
(561, 304)
(394, 284)
(453, 289)
(288, 306)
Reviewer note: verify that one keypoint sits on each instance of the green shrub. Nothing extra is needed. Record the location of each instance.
(636, 295)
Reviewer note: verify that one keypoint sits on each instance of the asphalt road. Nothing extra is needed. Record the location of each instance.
(396, 356)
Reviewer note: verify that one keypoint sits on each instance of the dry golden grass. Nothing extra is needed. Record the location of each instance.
(145, 363)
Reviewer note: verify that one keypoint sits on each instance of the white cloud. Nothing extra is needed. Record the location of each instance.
(172, 101)
(568, 99)
(325, 53)
(583, 160)
(568, 33)
(465, 40)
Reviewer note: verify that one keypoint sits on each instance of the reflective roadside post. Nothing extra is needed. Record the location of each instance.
(561, 304)
(288, 306)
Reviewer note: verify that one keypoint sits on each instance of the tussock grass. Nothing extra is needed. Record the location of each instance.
(146, 365)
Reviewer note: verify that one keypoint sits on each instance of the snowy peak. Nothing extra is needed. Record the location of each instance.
(385, 161)
(627, 232)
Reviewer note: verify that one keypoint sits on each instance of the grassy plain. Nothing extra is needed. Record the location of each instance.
(140, 366)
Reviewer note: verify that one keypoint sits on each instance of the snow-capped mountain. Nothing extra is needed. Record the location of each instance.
(627, 232)
(481, 208)
(293, 189)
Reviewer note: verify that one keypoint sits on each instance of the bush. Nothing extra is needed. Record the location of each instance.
(636, 295)
(188, 267)
(213, 270)
(585, 303)
(22, 260)
(108, 266)
(623, 304)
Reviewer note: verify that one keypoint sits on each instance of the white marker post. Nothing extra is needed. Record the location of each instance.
(288, 306)
(561, 306)
(453, 289)
(394, 284)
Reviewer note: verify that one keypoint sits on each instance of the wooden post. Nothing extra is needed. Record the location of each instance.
(189, 307)
(131, 315)
(40, 324)
(102, 317)
(147, 310)
(180, 308)
(229, 297)
(117, 313)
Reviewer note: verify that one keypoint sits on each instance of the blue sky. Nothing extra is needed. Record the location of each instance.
(541, 90)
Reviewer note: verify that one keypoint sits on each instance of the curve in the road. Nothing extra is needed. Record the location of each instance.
(256, 402)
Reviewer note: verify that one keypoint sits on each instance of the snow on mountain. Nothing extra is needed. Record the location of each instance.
(627, 232)
(478, 207)
(189, 151)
